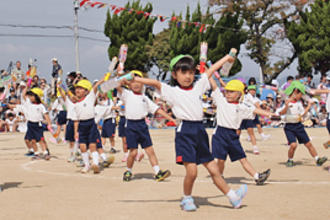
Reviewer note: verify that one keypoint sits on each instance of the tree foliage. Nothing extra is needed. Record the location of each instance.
(222, 35)
(133, 29)
(264, 20)
(310, 37)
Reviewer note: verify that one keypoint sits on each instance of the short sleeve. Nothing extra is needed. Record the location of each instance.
(123, 95)
(217, 96)
(203, 84)
(246, 111)
(168, 94)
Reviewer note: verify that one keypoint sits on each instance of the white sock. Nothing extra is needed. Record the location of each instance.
(186, 197)
(232, 195)
(290, 159)
(129, 169)
(45, 152)
(316, 158)
(126, 154)
(112, 146)
(36, 153)
(156, 169)
(103, 156)
(75, 146)
(95, 157)
(256, 176)
(85, 158)
(31, 150)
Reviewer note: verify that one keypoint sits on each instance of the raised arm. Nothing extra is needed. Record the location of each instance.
(97, 84)
(150, 82)
(219, 64)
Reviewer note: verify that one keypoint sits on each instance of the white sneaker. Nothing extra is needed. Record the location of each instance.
(85, 169)
(256, 150)
(71, 159)
(265, 137)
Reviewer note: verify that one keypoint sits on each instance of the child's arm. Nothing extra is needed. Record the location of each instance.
(262, 112)
(97, 84)
(24, 93)
(151, 82)
(213, 84)
(310, 103)
(286, 106)
(62, 92)
(219, 64)
(165, 115)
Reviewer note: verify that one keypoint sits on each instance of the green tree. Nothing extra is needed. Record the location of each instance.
(159, 53)
(310, 36)
(222, 35)
(264, 21)
(133, 29)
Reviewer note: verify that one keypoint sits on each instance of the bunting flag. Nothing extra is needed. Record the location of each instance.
(117, 9)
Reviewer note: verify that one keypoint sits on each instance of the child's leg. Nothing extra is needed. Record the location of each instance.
(124, 144)
(43, 145)
(293, 147)
(131, 157)
(248, 167)
(216, 177)
(112, 142)
(221, 165)
(58, 130)
(252, 136)
(311, 149)
(151, 155)
(259, 129)
(34, 146)
(189, 179)
(104, 141)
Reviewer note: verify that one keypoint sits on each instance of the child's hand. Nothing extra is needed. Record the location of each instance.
(230, 58)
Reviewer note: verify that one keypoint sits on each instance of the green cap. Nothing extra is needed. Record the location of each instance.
(295, 85)
(177, 58)
(250, 87)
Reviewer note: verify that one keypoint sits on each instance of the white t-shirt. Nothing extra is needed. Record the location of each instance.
(34, 112)
(10, 124)
(121, 110)
(70, 109)
(84, 109)
(230, 115)
(137, 105)
(250, 99)
(59, 104)
(186, 104)
(327, 106)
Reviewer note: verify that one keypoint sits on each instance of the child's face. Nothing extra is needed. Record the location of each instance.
(80, 92)
(252, 92)
(297, 95)
(136, 86)
(184, 78)
(232, 96)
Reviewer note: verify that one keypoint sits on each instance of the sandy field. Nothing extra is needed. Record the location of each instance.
(56, 190)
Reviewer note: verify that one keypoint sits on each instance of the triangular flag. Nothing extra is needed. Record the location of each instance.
(83, 2)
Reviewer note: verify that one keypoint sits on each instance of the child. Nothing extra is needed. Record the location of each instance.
(191, 140)
(10, 123)
(230, 113)
(294, 111)
(121, 127)
(60, 109)
(85, 129)
(35, 112)
(137, 107)
(248, 124)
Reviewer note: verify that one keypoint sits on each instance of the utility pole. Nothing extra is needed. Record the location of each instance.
(76, 35)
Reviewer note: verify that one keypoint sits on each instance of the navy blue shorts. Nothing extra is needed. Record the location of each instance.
(328, 125)
(88, 132)
(295, 131)
(121, 126)
(192, 143)
(256, 121)
(247, 123)
(69, 132)
(34, 131)
(108, 128)
(137, 132)
(61, 118)
(225, 142)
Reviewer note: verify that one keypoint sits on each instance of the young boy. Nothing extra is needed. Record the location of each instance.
(137, 106)
(294, 111)
(121, 127)
(85, 129)
(191, 140)
(249, 124)
(230, 113)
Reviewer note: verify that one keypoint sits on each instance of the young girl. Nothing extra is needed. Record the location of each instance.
(121, 127)
(294, 111)
(137, 106)
(85, 129)
(36, 112)
(230, 113)
(191, 140)
(60, 109)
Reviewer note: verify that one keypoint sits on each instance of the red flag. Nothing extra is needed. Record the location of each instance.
(83, 2)
(173, 18)
(202, 28)
(113, 7)
(139, 12)
(95, 3)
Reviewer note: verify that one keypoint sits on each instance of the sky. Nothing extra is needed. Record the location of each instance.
(93, 54)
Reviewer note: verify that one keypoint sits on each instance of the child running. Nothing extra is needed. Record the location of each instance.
(121, 127)
(191, 139)
(60, 108)
(230, 113)
(294, 129)
(137, 106)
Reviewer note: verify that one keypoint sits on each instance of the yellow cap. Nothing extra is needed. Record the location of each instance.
(38, 92)
(235, 85)
(84, 83)
(137, 72)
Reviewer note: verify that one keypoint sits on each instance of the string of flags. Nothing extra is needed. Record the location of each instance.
(117, 9)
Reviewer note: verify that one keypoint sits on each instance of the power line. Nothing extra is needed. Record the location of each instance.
(50, 27)
(51, 36)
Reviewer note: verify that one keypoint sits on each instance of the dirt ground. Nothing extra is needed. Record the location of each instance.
(56, 190)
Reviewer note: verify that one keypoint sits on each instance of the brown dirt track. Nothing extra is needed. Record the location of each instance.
(56, 190)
